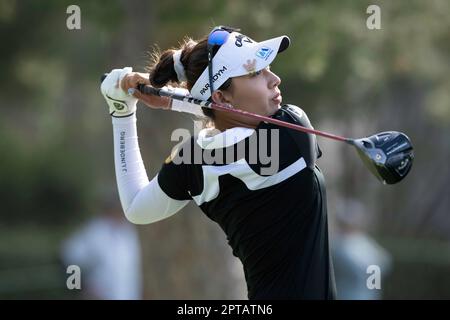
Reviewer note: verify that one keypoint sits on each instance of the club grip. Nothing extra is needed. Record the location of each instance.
(148, 90)
(103, 77)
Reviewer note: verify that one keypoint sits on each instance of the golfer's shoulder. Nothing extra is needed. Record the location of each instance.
(293, 114)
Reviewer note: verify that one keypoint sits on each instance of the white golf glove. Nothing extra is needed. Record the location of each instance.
(121, 104)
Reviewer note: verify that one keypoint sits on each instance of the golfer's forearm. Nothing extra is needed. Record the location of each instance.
(182, 106)
(142, 200)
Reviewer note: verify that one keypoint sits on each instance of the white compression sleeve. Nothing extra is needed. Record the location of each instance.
(142, 201)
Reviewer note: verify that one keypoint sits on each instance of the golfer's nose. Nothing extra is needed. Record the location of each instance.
(274, 80)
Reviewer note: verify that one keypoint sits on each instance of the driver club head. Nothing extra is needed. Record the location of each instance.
(388, 155)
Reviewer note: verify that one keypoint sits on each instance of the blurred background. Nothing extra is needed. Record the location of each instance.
(57, 181)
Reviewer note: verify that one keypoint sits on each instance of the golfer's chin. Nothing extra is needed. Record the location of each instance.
(273, 109)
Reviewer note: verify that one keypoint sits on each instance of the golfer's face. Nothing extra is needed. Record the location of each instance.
(257, 93)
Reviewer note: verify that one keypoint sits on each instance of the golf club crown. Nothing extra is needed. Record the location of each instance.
(389, 155)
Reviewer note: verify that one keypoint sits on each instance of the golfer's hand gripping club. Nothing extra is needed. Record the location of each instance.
(120, 103)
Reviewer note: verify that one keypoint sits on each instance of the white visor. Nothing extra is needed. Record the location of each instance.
(238, 56)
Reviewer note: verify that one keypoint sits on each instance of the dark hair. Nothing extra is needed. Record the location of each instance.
(194, 58)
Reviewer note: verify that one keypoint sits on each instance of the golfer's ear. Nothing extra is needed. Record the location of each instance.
(219, 96)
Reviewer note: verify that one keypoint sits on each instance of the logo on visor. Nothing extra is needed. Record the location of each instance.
(250, 66)
(215, 77)
(240, 38)
(264, 53)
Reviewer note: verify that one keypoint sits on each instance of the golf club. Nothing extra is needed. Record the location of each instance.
(388, 155)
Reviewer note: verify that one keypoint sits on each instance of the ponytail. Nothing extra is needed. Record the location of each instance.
(193, 58)
(162, 71)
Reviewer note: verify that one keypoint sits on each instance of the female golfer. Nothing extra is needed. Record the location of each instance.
(258, 181)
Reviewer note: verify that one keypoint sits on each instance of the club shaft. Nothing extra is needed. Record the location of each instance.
(163, 92)
(211, 105)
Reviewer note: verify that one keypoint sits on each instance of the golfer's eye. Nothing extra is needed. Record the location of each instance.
(257, 73)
